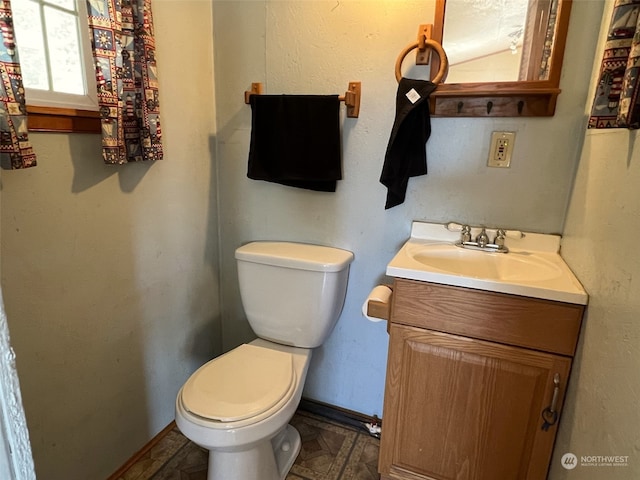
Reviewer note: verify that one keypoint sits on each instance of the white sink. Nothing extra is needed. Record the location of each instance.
(533, 267)
(517, 266)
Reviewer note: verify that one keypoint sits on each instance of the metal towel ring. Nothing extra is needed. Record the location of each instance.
(444, 62)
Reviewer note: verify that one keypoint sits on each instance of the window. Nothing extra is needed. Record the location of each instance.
(57, 64)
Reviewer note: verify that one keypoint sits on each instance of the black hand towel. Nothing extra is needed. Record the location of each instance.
(406, 154)
(295, 141)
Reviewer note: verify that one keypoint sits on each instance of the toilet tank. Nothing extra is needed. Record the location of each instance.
(292, 293)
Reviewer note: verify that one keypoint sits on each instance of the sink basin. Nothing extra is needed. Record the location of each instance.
(515, 266)
(532, 268)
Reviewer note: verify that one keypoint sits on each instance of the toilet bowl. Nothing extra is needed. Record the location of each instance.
(256, 447)
(238, 405)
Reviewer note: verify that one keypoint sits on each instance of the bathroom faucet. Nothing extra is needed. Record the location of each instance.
(482, 241)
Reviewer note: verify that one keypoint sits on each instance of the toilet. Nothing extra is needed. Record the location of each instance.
(238, 405)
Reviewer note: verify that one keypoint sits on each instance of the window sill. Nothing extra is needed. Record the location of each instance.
(62, 120)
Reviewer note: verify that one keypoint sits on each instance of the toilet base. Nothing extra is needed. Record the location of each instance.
(268, 460)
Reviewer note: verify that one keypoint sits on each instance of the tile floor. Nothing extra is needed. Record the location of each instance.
(330, 451)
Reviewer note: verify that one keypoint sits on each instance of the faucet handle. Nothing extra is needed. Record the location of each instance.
(466, 234)
(500, 236)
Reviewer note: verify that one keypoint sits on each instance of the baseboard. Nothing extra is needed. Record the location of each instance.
(339, 414)
(140, 453)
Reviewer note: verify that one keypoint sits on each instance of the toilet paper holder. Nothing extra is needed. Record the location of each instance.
(379, 309)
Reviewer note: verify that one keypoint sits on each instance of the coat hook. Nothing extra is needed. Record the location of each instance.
(460, 105)
(520, 107)
(489, 107)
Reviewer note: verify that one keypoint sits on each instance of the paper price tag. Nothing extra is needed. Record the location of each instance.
(413, 96)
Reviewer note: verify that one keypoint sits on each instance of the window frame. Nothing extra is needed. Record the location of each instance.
(67, 113)
(62, 120)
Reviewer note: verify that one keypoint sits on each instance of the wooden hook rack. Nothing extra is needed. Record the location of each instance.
(351, 97)
(465, 103)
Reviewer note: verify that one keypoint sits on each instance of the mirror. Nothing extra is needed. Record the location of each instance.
(493, 49)
(505, 56)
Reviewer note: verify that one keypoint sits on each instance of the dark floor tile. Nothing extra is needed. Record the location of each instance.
(155, 458)
(325, 448)
(330, 451)
(190, 463)
(363, 461)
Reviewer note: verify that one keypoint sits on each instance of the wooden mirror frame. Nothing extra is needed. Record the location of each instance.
(535, 98)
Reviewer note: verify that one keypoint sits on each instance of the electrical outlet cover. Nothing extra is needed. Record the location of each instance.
(501, 149)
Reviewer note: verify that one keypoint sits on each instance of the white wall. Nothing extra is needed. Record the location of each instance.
(497, 67)
(318, 47)
(110, 273)
(600, 243)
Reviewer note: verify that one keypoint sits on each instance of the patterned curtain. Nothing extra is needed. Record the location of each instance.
(616, 104)
(124, 53)
(15, 149)
(545, 62)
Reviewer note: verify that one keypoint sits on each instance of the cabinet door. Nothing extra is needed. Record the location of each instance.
(457, 408)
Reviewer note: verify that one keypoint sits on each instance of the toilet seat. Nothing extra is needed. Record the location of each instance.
(240, 384)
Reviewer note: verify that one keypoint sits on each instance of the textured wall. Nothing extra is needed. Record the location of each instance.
(110, 273)
(16, 460)
(318, 47)
(600, 244)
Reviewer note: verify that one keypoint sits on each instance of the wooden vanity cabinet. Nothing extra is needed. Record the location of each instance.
(469, 374)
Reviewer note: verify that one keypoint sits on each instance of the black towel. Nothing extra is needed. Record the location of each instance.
(295, 141)
(406, 152)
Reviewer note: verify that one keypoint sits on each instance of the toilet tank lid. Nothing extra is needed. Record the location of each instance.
(301, 256)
